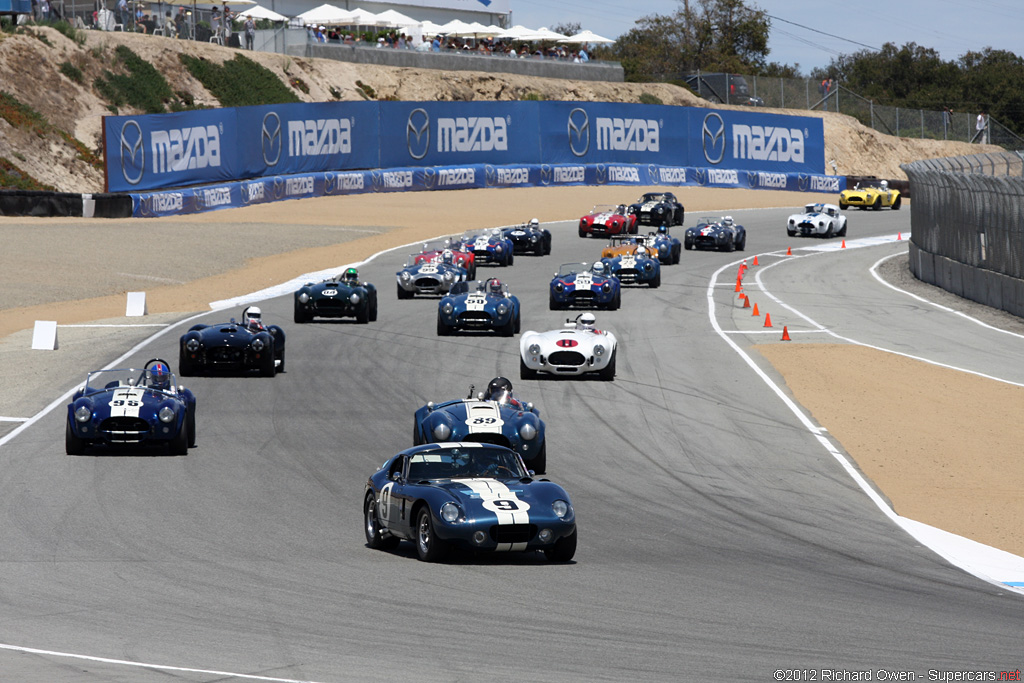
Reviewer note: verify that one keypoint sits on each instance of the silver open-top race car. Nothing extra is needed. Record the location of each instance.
(575, 349)
(817, 220)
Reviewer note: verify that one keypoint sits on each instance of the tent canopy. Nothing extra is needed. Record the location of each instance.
(587, 37)
(260, 12)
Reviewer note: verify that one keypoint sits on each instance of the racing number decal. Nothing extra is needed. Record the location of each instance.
(329, 292)
(505, 505)
(117, 403)
(566, 343)
(385, 502)
(483, 420)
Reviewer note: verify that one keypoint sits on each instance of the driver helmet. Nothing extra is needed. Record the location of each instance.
(496, 231)
(447, 256)
(350, 275)
(727, 220)
(496, 288)
(598, 268)
(160, 376)
(641, 250)
(499, 389)
(586, 321)
(663, 229)
(534, 223)
(885, 184)
(621, 209)
(252, 318)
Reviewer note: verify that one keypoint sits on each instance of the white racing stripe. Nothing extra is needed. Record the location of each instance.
(483, 417)
(126, 402)
(499, 499)
(476, 302)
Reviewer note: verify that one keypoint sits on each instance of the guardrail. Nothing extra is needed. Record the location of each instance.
(967, 227)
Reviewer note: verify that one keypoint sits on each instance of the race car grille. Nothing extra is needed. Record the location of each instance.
(426, 282)
(627, 275)
(488, 437)
(332, 304)
(567, 358)
(704, 241)
(513, 533)
(224, 354)
(474, 317)
(583, 298)
(124, 429)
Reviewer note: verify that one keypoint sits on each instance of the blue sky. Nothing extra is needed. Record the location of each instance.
(952, 27)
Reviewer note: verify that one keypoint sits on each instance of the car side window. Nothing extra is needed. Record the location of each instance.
(396, 468)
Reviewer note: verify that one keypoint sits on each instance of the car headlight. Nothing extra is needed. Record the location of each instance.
(448, 275)
(561, 508)
(559, 286)
(607, 287)
(166, 414)
(528, 432)
(406, 275)
(821, 224)
(792, 222)
(354, 298)
(304, 298)
(502, 309)
(448, 309)
(649, 266)
(534, 349)
(83, 413)
(450, 512)
(442, 432)
(257, 345)
(498, 248)
(192, 345)
(598, 350)
(534, 238)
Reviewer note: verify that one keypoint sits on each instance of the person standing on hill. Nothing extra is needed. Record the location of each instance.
(250, 32)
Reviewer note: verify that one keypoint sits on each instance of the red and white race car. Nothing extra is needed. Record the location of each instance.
(432, 252)
(607, 219)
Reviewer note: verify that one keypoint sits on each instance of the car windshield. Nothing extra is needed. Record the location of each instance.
(604, 208)
(815, 208)
(460, 288)
(652, 197)
(466, 463)
(570, 268)
(709, 220)
(98, 380)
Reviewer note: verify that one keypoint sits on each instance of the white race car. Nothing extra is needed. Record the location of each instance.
(576, 349)
(817, 220)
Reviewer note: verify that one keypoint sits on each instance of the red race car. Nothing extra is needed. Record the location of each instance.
(607, 219)
(432, 251)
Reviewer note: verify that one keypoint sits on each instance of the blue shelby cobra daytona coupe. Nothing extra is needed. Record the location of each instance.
(131, 407)
(471, 495)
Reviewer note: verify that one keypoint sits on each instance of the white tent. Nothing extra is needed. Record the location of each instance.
(394, 18)
(528, 34)
(362, 17)
(545, 33)
(260, 12)
(586, 37)
(429, 28)
(327, 15)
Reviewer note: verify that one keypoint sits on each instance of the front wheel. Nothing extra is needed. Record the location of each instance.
(607, 373)
(429, 547)
(877, 206)
(73, 445)
(373, 308)
(402, 294)
(655, 282)
(742, 244)
(268, 368)
(374, 532)
(301, 316)
(564, 549)
(896, 203)
(675, 253)
(442, 329)
(190, 424)
(509, 328)
(842, 231)
(843, 206)
(539, 464)
(179, 444)
(363, 314)
(687, 244)
(524, 370)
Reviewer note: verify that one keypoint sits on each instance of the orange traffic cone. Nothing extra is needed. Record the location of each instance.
(768, 320)
(755, 310)
(785, 333)
(746, 302)
(899, 236)
(739, 286)
(755, 260)
(844, 245)
(789, 251)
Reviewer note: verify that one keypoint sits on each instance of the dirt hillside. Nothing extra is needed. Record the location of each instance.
(31, 71)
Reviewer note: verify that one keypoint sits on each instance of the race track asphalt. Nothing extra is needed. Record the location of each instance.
(718, 539)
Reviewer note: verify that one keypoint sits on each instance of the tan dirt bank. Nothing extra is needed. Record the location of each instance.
(913, 447)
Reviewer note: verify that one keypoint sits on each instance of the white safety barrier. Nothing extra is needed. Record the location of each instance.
(44, 335)
(136, 304)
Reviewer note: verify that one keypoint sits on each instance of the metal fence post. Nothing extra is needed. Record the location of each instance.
(782, 92)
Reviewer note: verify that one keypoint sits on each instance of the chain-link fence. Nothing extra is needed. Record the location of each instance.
(967, 227)
(805, 93)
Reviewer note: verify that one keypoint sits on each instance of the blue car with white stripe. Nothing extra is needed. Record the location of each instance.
(478, 306)
(473, 496)
(131, 407)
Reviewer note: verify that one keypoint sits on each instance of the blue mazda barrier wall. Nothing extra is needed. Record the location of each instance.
(213, 145)
(318, 184)
(209, 146)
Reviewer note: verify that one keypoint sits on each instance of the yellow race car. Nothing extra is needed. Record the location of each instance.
(871, 196)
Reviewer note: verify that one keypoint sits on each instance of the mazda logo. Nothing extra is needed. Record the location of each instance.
(701, 175)
(653, 177)
(270, 138)
(417, 133)
(279, 186)
(546, 174)
(490, 176)
(330, 182)
(146, 205)
(197, 201)
(713, 137)
(752, 179)
(429, 178)
(803, 181)
(579, 132)
(601, 174)
(133, 152)
(377, 180)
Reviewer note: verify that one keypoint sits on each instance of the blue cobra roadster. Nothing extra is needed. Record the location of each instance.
(638, 268)
(233, 346)
(131, 407)
(469, 495)
(344, 296)
(478, 306)
(580, 284)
